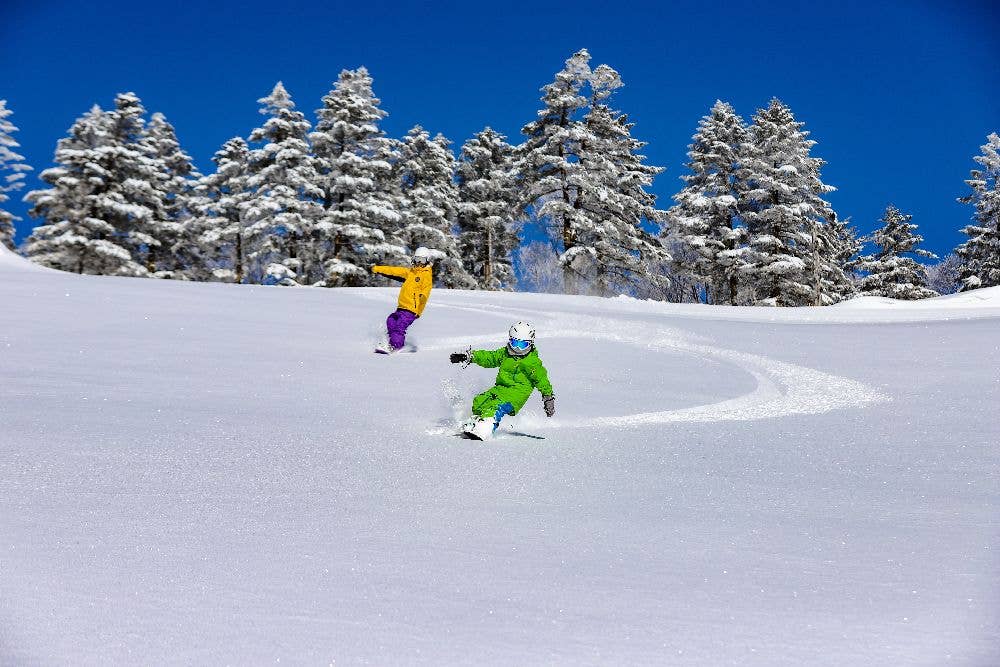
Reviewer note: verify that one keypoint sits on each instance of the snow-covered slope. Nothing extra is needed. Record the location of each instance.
(213, 474)
(13, 262)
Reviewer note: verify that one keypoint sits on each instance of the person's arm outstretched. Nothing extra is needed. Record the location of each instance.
(484, 358)
(394, 272)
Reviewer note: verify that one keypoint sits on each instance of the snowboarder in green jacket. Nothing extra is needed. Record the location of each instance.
(521, 372)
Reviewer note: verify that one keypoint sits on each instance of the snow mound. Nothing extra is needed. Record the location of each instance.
(987, 297)
(10, 260)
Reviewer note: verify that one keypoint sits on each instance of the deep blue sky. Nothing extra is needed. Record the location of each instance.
(899, 95)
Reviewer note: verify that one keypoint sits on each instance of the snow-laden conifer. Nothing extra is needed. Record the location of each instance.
(355, 163)
(12, 168)
(705, 221)
(842, 246)
(212, 247)
(789, 262)
(889, 272)
(136, 203)
(487, 208)
(80, 210)
(620, 246)
(549, 161)
(285, 203)
(178, 179)
(430, 202)
(583, 178)
(981, 253)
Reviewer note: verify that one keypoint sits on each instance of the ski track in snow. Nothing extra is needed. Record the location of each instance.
(783, 389)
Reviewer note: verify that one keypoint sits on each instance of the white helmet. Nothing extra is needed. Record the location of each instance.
(522, 339)
(421, 256)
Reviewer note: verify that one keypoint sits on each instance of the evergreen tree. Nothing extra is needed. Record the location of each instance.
(85, 200)
(549, 161)
(891, 274)
(177, 180)
(791, 259)
(705, 220)
(135, 204)
(285, 202)
(430, 203)
(582, 176)
(212, 239)
(488, 234)
(11, 162)
(981, 253)
(625, 257)
(842, 246)
(355, 162)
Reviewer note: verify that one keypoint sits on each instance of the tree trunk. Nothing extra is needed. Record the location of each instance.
(817, 298)
(239, 257)
(488, 268)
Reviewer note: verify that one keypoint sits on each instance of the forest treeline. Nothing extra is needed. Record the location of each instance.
(317, 202)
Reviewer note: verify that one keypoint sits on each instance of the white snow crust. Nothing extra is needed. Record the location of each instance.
(217, 474)
(12, 261)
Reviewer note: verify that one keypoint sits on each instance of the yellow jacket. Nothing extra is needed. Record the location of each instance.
(416, 289)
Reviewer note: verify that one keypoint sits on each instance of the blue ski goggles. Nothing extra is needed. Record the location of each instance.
(519, 344)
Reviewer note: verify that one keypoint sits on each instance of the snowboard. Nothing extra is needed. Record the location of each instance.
(482, 429)
(386, 349)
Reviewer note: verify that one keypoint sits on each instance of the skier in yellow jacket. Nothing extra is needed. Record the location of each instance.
(413, 295)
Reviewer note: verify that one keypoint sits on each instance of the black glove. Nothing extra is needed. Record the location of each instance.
(459, 358)
(550, 405)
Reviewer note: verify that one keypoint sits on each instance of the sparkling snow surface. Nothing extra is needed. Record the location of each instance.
(215, 474)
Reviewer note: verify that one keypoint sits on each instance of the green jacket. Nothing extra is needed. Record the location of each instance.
(517, 376)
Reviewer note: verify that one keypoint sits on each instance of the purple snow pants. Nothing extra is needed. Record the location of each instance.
(397, 324)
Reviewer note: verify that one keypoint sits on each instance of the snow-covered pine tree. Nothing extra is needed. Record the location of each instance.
(355, 163)
(582, 177)
(429, 202)
(981, 253)
(135, 204)
(891, 274)
(178, 178)
(625, 256)
(548, 162)
(77, 233)
(13, 163)
(487, 207)
(789, 264)
(705, 221)
(285, 202)
(212, 239)
(842, 246)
